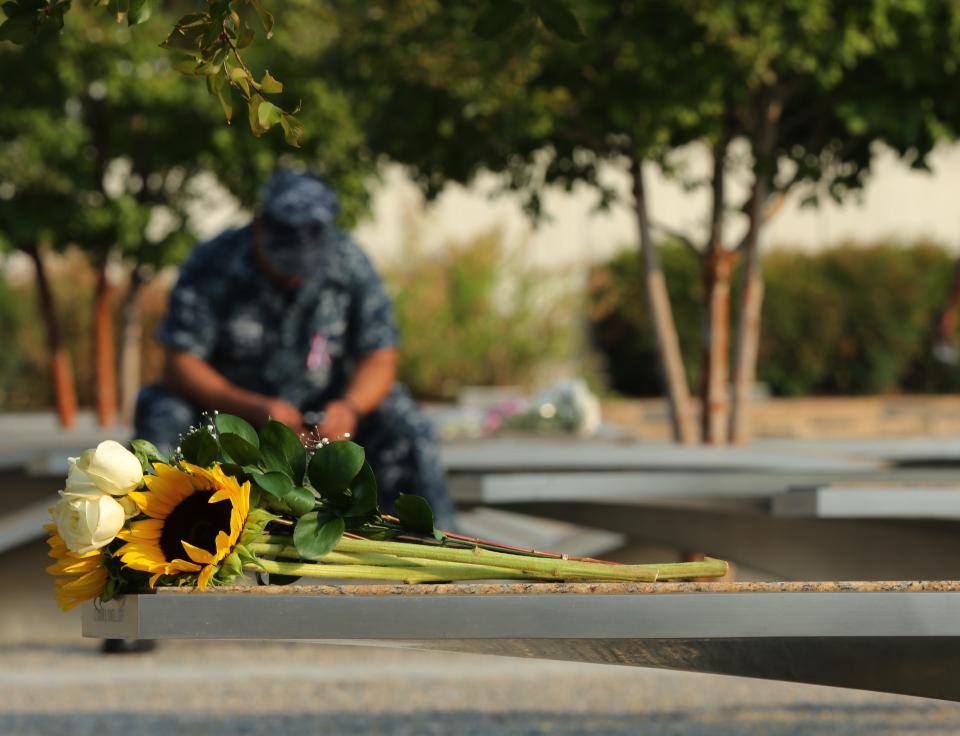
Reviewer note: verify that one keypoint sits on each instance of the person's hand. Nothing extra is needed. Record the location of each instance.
(339, 419)
(285, 413)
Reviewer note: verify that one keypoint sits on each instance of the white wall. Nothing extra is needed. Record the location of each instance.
(897, 201)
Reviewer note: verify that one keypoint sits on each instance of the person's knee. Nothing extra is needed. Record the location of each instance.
(161, 416)
(400, 416)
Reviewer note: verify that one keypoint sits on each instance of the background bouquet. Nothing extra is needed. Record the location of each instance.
(233, 499)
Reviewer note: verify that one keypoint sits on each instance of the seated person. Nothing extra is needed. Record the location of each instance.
(286, 318)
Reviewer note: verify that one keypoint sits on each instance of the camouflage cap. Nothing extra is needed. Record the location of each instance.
(298, 198)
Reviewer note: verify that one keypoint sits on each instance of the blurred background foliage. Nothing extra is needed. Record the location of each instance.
(849, 319)
(474, 314)
(104, 148)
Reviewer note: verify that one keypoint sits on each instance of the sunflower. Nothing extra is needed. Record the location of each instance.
(79, 577)
(195, 520)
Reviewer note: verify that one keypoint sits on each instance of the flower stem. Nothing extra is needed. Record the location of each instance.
(709, 567)
(369, 572)
(401, 554)
(528, 566)
(446, 570)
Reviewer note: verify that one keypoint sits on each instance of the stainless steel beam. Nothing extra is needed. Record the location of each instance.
(870, 501)
(719, 615)
(904, 642)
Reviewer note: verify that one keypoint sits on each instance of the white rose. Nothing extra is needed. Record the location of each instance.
(78, 482)
(87, 522)
(111, 468)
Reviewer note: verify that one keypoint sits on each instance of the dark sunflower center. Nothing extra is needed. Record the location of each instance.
(195, 521)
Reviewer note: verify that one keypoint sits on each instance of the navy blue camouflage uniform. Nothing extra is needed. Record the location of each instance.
(300, 345)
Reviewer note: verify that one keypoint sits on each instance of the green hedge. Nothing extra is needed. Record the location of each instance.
(472, 314)
(850, 319)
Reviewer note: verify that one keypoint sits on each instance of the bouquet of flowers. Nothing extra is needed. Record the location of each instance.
(232, 500)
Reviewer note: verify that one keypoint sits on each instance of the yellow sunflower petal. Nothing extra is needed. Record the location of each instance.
(72, 566)
(179, 565)
(203, 579)
(197, 554)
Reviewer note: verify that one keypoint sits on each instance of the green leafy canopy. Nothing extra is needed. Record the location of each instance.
(215, 35)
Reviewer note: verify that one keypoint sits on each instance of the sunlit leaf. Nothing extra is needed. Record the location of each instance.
(292, 129)
(270, 85)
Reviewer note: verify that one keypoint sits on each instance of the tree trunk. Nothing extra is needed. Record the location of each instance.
(61, 367)
(105, 355)
(717, 267)
(717, 270)
(751, 298)
(661, 315)
(131, 344)
(946, 321)
(748, 326)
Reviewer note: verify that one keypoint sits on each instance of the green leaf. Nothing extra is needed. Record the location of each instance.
(415, 514)
(230, 569)
(223, 95)
(364, 492)
(200, 448)
(139, 12)
(246, 36)
(240, 81)
(232, 469)
(18, 29)
(276, 484)
(257, 521)
(334, 466)
(270, 85)
(277, 505)
(236, 425)
(252, 114)
(300, 501)
(557, 17)
(497, 17)
(146, 453)
(278, 437)
(268, 115)
(188, 66)
(292, 130)
(315, 535)
(266, 18)
(274, 461)
(246, 556)
(238, 450)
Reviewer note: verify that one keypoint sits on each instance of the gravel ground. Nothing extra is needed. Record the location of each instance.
(67, 687)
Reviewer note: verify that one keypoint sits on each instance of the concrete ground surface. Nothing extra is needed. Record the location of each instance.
(67, 687)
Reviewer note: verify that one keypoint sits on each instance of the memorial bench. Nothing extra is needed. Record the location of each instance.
(889, 637)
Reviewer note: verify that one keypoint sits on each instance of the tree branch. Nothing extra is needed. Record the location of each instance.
(677, 235)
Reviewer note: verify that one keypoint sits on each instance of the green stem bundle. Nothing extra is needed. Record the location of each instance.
(367, 559)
